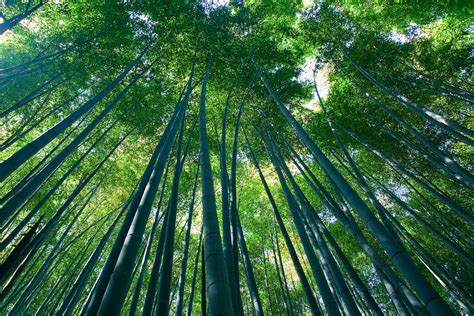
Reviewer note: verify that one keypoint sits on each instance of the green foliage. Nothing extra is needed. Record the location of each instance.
(86, 44)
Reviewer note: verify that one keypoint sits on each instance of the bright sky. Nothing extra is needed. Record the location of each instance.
(216, 3)
(307, 75)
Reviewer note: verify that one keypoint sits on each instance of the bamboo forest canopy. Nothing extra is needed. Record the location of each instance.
(236, 157)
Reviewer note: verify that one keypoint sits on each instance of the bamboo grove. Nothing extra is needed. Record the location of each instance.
(245, 157)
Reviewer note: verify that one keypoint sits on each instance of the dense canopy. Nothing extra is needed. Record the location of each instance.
(236, 157)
